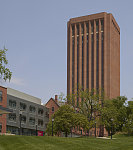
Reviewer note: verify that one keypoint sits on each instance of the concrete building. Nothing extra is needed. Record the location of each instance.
(93, 54)
(33, 115)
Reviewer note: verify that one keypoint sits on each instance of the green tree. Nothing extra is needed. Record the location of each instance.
(130, 107)
(5, 73)
(128, 126)
(109, 116)
(65, 119)
(114, 114)
(90, 104)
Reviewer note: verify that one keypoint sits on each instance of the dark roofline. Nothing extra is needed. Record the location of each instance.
(53, 100)
(3, 87)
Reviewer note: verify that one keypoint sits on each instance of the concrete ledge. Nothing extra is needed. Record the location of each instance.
(6, 134)
(105, 138)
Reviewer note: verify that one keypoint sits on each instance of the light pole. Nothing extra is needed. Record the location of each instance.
(95, 129)
(52, 126)
(71, 132)
(20, 115)
(111, 127)
(36, 129)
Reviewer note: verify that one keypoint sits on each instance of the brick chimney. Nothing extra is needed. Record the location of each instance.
(56, 98)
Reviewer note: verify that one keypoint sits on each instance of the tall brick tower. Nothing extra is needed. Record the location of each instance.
(93, 54)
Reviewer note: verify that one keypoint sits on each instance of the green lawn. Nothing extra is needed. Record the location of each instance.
(57, 143)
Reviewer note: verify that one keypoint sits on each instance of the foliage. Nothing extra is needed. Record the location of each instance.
(90, 104)
(128, 126)
(111, 113)
(130, 107)
(62, 99)
(65, 119)
(114, 114)
(87, 102)
(5, 73)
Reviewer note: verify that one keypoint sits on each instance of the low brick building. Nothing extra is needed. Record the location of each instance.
(52, 105)
(3, 103)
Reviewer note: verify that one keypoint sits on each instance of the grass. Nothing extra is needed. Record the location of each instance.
(58, 143)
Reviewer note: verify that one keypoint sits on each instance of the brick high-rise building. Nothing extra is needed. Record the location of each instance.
(93, 54)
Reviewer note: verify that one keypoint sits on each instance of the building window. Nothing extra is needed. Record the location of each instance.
(13, 130)
(102, 25)
(40, 111)
(97, 26)
(87, 28)
(92, 27)
(32, 121)
(82, 61)
(47, 114)
(102, 49)
(82, 29)
(32, 109)
(72, 63)
(22, 106)
(12, 117)
(52, 109)
(77, 29)
(23, 119)
(40, 122)
(97, 61)
(0, 96)
(92, 61)
(77, 66)
(73, 30)
(87, 84)
(12, 104)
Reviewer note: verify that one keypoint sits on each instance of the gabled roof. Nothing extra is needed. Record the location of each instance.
(53, 101)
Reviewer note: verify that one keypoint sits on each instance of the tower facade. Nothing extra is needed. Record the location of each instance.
(93, 54)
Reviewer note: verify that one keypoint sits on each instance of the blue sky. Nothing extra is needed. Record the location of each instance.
(35, 33)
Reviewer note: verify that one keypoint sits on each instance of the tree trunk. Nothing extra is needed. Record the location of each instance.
(66, 134)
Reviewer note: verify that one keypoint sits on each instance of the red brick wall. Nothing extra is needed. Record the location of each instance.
(51, 103)
(3, 104)
(3, 122)
(111, 55)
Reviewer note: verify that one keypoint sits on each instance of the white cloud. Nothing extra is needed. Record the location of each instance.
(17, 81)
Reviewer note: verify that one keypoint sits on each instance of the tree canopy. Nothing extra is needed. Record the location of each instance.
(128, 125)
(5, 73)
(65, 119)
(114, 113)
(89, 104)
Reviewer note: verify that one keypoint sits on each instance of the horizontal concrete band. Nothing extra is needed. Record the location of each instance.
(4, 110)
